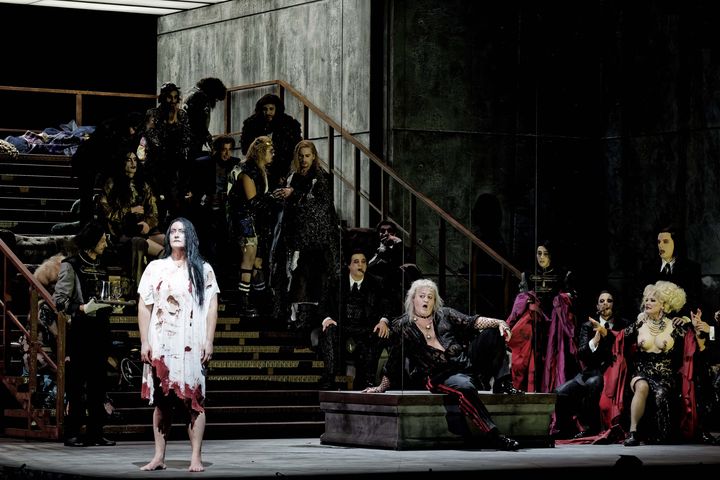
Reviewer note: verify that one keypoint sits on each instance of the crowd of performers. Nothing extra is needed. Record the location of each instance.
(653, 377)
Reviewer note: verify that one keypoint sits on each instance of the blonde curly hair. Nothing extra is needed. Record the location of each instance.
(671, 297)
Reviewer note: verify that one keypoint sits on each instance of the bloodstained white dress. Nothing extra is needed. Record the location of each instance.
(177, 330)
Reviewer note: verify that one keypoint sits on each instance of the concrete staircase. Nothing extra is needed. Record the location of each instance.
(36, 192)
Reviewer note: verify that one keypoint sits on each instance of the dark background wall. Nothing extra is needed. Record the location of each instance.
(592, 123)
(51, 48)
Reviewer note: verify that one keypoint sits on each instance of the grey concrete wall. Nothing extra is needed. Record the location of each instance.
(322, 48)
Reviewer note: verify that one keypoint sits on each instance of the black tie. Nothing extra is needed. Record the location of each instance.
(666, 269)
(355, 287)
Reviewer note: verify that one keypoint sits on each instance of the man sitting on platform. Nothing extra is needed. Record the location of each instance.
(429, 336)
(362, 326)
(580, 395)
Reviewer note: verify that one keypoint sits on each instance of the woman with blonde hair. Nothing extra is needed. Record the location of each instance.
(659, 339)
(250, 206)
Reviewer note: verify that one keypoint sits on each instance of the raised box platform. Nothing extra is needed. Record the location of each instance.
(420, 419)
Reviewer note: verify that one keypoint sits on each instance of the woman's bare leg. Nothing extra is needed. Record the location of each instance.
(161, 428)
(196, 430)
(637, 406)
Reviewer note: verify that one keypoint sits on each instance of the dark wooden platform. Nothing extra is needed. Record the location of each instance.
(420, 419)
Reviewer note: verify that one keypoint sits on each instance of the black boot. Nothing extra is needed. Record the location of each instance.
(504, 385)
(246, 308)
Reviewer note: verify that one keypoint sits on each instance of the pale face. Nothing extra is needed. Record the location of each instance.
(357, 266)
(543, 257)
(652, 306)
(225, 152)
(666, 246)
(267, 155)
(306, 159)
(268, 111)
(605, 305)
(131, 164)
(424, 301)
(177, 235)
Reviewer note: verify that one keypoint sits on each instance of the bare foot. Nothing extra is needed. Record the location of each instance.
(154, 465)
(196, 466)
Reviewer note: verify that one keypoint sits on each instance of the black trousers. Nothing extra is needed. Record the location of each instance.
(86, 379)
(579, 397)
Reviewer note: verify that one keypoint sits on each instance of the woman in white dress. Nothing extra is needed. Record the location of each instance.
(177, 314)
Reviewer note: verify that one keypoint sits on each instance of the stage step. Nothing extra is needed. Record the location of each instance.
(36, 192)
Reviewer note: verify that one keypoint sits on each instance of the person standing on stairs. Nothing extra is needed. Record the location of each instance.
(199, 105)
(270, 120)
(305, 261)
(177, 315)
(250, 206)
(166, 144)
(88, 338)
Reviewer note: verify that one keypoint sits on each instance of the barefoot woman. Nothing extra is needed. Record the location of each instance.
(177, 313)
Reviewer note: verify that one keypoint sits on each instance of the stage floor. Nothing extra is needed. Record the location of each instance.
(306, 457)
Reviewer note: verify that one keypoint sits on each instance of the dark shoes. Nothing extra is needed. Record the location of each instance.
(584, 434)
(99, 442)
(709, 439)
(506, 387)
(74, 442)
(631, 440)
(501, 442)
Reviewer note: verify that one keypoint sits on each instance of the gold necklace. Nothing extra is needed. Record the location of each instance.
(428, 327)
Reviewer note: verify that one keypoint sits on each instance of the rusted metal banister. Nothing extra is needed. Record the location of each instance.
(37, 291)
(6, 88)
(29, 334)
(78, 94)
(386, 169)
(34, 283)
(357, 187)
(442, 260)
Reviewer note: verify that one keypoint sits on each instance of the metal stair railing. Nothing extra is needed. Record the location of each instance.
(388, 174)
(81, 96)
(38, 420)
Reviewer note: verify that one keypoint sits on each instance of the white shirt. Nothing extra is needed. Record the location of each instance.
(592, 344)
(353, 282)
(671, 263)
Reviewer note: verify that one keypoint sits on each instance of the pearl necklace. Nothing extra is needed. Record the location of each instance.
(656, 327)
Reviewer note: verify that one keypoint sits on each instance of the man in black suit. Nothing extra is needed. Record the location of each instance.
(580, 395)
(674, 266)
(361, 328)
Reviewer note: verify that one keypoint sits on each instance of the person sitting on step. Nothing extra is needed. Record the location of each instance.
(361, 326)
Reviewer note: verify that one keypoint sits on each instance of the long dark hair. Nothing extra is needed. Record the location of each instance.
(192, 251)
(119, 195)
